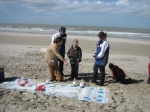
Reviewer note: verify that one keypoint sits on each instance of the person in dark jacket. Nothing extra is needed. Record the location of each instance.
(75, 55)
(101, 58)
(62, 51)
(118, 74)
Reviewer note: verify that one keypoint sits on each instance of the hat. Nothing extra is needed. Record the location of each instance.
(63, 29)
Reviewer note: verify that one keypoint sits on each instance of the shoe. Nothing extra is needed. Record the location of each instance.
(93, 80)
(101, 83)
(62, 73)
(51, 80)
(130, 80)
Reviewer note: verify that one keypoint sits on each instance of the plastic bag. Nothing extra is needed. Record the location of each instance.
(21, 81)
(82, 83)
(74, 82)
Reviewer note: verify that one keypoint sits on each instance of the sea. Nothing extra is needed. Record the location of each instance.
(117, 32)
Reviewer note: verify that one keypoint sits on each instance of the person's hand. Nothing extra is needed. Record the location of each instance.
(71, 59)
(98, 57)
(94, 55)
(65, 63)
(77, 63)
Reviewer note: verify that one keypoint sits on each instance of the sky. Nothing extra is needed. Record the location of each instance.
(111, 13)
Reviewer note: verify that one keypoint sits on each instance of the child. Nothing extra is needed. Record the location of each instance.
(118, 73)
(148, 80)
(75, 55)
(101, 58)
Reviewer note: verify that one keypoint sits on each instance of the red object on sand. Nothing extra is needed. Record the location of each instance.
(39, 88)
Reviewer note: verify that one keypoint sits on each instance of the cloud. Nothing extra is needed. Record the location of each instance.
(136, 7)
(53, 15)
(94, 18)
(123, 2)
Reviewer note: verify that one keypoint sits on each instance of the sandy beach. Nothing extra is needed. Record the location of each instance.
(22, 56)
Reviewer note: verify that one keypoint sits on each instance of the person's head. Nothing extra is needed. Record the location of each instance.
(102, 35)
(58, 40)
(75, 43)
(111, 66)
(62, 30)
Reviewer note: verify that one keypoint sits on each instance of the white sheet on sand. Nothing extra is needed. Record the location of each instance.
(92, 94)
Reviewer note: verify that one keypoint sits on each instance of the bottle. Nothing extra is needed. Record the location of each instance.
(82, 83)
(22, 78)
(35, 84)
(74, 82)
(47, 79)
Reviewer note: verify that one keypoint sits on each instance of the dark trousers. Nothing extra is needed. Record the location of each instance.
(61, 64)
(74, 70)
(102, 72)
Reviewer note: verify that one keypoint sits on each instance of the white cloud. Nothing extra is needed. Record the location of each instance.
(99, 2)
(122, 2)
(137, 7)
(75, 2)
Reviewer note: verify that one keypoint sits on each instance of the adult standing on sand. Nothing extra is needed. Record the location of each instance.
(101, 58)
(62, 51)
(52, 56)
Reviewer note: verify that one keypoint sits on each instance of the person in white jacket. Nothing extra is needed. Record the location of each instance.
(62, 49)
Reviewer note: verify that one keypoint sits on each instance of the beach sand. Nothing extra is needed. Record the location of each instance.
(22, 56)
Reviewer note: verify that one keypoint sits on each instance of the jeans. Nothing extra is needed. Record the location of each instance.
(102, 72)
(74, 70)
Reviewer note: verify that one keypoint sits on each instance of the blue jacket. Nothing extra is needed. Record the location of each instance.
(62, 49)
(101, 56)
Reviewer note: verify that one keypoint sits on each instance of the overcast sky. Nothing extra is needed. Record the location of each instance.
(113, 13)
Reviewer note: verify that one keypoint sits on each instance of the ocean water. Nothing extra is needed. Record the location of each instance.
(117, 32)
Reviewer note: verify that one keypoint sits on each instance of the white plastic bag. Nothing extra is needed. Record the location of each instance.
(82, 83)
